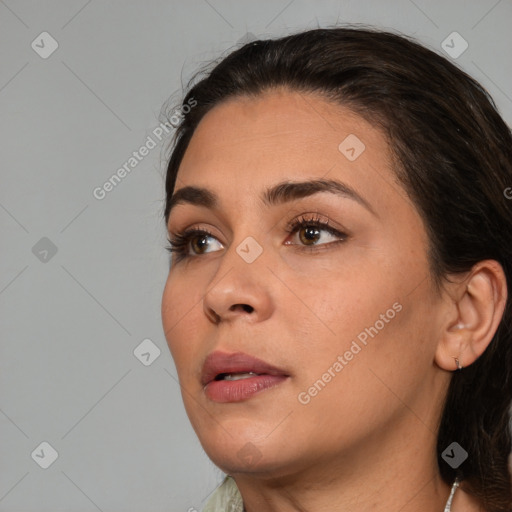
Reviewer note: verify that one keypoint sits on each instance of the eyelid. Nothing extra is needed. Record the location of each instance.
(313, 218)
(196, 228)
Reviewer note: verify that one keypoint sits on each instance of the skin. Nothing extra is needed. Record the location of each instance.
(367, 440)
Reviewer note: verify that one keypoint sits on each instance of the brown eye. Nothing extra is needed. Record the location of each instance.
(308, 234)
(312, 233)
(198, 243)
(195, 240)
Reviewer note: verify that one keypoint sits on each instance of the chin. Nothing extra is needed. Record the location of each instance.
(239, 449)
(248, 459)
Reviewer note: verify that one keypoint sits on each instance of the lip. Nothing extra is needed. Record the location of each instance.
(224, 391)
(221, 362)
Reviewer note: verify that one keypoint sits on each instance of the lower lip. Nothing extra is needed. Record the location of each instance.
(242, 389)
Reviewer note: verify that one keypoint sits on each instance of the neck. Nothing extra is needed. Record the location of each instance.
(384, 474)
(418, 492)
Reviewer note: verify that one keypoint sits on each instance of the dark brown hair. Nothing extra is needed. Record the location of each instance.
(453, 156)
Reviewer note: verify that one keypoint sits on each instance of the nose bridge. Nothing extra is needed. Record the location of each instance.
(246, 250)
(237, 286)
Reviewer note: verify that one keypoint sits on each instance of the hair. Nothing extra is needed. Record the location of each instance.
(452, 153)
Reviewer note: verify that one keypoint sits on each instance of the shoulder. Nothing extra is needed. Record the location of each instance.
(226, 498)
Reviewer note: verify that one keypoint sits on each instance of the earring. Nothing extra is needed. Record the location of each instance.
(459, 367)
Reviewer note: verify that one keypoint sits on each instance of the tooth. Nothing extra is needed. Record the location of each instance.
(238, 376)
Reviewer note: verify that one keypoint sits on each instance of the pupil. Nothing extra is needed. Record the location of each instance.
(200, 242)
(311, 233)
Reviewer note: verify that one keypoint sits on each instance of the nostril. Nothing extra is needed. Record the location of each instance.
(214, 317)
(245, 307)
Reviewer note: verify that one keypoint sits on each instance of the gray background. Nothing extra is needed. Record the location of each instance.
(70, 321)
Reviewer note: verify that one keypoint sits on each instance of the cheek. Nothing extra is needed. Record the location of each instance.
(179, 307)
(366, 315)
(379, 362)
(348, 303)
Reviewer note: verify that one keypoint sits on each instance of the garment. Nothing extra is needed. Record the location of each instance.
(226, 498)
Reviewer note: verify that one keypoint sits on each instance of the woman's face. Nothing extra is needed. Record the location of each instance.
(349, 316)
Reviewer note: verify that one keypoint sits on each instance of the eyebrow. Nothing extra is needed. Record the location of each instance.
(281, 193)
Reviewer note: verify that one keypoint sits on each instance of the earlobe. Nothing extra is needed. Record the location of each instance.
(476, 309)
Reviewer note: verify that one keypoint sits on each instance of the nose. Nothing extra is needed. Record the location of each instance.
(235, 308)
(239, 291)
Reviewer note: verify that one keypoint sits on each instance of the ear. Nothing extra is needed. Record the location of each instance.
(473, 315)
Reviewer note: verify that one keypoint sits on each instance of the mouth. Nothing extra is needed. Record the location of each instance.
(235, 366)
(236, 376)
(240, 387)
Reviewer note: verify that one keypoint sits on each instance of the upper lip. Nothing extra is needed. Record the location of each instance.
(237, 362)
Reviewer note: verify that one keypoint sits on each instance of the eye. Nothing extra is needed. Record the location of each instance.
(308, 232)
(195, 239)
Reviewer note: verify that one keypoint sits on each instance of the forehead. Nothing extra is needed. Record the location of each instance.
(290, 117)
(250, 143)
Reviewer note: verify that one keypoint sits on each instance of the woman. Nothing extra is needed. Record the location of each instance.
(337, 306)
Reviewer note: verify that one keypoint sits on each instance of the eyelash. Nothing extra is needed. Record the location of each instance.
(178, 243)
